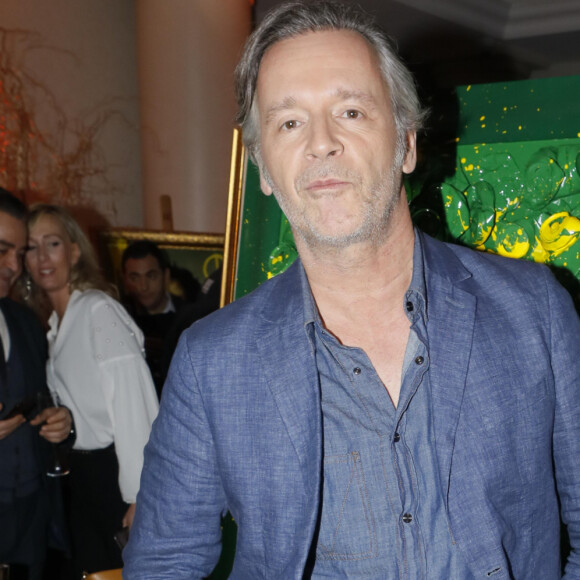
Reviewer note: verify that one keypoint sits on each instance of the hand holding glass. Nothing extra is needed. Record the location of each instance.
(50, 401)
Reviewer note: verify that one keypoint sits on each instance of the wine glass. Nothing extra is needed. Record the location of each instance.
(58, 467)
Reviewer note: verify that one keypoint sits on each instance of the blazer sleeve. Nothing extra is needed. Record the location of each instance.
(565, 356)
(182, 533)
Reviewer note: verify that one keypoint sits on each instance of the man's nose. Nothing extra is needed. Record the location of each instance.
(323, 139)
(14, 261)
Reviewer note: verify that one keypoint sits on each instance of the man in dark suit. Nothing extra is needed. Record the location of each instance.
(146, 280)
(25, 506)
(164, 300)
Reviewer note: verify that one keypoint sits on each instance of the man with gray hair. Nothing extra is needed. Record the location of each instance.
(391, 406)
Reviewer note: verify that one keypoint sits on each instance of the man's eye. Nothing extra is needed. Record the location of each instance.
(30, 249)
(289, 125)
(352, 114)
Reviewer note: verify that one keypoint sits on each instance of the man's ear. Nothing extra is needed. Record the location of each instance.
(411, 155)
(264, 185)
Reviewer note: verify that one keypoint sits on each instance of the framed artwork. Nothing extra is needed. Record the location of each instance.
(508, 182)
(259, 243)
(200, 254)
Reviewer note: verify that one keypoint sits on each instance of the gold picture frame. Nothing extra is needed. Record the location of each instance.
(199, 253)
(233, 220)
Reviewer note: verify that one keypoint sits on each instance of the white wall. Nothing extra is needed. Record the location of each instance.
(188, 50)
(84, 53)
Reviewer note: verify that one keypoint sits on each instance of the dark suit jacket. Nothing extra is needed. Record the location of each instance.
(28, 339)
(240, 427)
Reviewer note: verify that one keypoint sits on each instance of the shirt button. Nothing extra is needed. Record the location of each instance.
(396, 438)
(409, 306)
(419, 360)
(356, 371)
(407, 518)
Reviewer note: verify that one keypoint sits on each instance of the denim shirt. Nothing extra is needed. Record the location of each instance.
(383, 514)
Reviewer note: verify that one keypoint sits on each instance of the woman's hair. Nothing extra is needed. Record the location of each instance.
(295, 18)
(84, 275)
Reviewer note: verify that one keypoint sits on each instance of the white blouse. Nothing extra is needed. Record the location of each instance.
(97, 367)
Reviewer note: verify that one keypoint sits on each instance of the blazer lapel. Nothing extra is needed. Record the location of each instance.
(451, 318)
(289, 366)
(451, 325)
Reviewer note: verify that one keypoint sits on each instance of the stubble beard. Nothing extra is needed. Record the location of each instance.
(378, 207)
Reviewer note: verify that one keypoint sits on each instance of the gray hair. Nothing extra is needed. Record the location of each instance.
(292, 19)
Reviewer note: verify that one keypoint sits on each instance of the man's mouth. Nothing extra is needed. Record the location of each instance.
(326, 187)
(7, 276)
(325, 184)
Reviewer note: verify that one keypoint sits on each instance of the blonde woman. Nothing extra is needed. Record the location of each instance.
(97, 368)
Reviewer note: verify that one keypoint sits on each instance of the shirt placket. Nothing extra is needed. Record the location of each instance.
(412, 556)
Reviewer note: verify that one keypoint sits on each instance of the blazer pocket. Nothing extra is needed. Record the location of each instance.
(509, 431)
(347, 529)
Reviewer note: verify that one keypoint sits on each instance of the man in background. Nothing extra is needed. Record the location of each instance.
(146, 281)
(26, 504)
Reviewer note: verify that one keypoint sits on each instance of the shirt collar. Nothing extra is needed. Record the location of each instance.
(310, 310)
(169, 307)
(417, 291)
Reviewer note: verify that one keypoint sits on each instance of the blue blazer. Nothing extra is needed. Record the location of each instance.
(240, 427)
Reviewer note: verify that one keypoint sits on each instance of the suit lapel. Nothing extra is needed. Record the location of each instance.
(451, 313)
(451, 325)
(289, 366)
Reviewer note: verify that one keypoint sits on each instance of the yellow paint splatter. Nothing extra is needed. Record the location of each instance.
(515, 249)
(559, 232)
